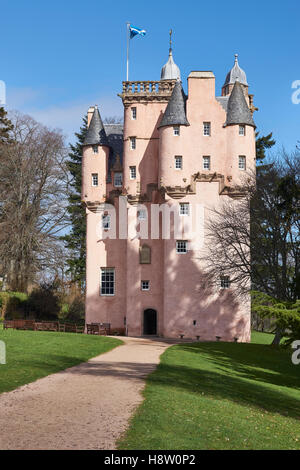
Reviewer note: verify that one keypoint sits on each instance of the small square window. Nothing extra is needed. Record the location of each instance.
(206, 163)
(132, 172)
(106, 221)
(225, 282)
(242, 162)
(184, 208)
(142, 214)
(118, 180)
(133, 113)
(178, 163)
(181, 247)
(242, 130)
(176, 130)
(206, 129)
(145, 285)
(95, 148)
(132, 143)
(94, 179)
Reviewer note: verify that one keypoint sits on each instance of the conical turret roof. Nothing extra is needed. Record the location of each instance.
(175, 112)
(170, 70)
(236, 74)
(96, 133)
(238, 111)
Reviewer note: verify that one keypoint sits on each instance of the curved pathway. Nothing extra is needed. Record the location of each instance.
(85, 407)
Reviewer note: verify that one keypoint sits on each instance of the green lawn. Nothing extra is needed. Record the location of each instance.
(220, 396)
(33, 354)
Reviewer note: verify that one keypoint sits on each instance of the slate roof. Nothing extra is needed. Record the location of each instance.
(170, 70)
(238, 111)
(96, 133)
(236, 74)
(114, 134)
(223, 100)
(175, 114)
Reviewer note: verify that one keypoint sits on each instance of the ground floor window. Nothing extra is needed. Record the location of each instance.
(107, 281)
(181, 246)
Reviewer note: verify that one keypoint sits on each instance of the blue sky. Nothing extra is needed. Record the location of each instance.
(59, 57)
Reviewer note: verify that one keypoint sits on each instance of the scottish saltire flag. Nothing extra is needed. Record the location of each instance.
(136, 31)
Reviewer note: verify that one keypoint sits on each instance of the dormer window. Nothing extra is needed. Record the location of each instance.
(176, 130)
(95, 148)
(132, 143)
(242, 130)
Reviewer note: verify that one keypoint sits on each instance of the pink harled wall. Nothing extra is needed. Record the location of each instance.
(184, 304)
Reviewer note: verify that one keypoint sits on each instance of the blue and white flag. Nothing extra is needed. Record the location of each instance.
(136, 31)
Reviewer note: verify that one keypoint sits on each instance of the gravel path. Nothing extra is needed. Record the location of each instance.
(85, 407)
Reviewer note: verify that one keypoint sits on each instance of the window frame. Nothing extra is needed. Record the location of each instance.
(95, 175)
(242, 127)
(113, 282)
(133, 113)
(225, 282)
(143, 288)
(204, 159)
(132, 143)
(184, 205)
(130, 172)
(118, 173)
(178, 158)
(179, 251)
(176, 131)
(108, 218)
(242, 158)
(206, 125)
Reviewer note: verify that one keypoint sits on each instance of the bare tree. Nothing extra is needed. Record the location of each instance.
(33, 190)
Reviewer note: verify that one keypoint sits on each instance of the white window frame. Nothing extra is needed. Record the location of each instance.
(184, 209)
(95, 149)
(95, 181)
(142, 214)
(207, 129)
(110, 283)
(145, 285)
(132, 143)
(106, 221)
(242, 162)
(206, 162)
(176, 130)
(178, 162)
(181, 247)
(133, 113)
(132, 171)
(225, 282)
(116, 175)
(242, 130)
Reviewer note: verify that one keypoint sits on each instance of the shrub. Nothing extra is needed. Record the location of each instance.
(76, 310)
(43, 303)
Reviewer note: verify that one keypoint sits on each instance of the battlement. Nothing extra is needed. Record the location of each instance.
(147, 91)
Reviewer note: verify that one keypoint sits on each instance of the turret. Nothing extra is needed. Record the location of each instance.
(94, 161)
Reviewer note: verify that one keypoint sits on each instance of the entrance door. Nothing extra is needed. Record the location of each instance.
(150, 322)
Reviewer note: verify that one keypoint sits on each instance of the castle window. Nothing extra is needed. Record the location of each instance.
(132, 143)
(242, 162)
(176, 130)
(133, 113)
(106, 221)
(206, 163)
(94, 179)
(242, 130)
(95, 148)
(145, 254)
(178, 163)
(118, 180)
(225, 282)
(184, 208)
(181, 247)
(145, 285)
(142, 214)
(107, 281)
(206, 129)
(132, 172)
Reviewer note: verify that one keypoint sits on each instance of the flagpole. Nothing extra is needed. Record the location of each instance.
(127, 63)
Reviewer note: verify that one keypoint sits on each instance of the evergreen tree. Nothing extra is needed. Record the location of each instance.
(262, 144)
(75, 241)
(5, 127)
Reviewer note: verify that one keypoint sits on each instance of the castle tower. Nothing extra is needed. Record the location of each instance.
(183, 155)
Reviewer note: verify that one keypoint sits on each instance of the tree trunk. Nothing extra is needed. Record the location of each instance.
(278, 336)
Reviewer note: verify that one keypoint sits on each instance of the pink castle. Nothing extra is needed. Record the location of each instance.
(176, 152)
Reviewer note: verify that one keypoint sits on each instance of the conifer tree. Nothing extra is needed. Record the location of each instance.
(75, 241)
(5, 127)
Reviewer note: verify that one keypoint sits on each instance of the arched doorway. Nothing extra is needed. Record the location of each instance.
(150, 322)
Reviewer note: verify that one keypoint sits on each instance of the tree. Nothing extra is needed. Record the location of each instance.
(33, 188)
(75, 241)
(6, 127)
(262, 144)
